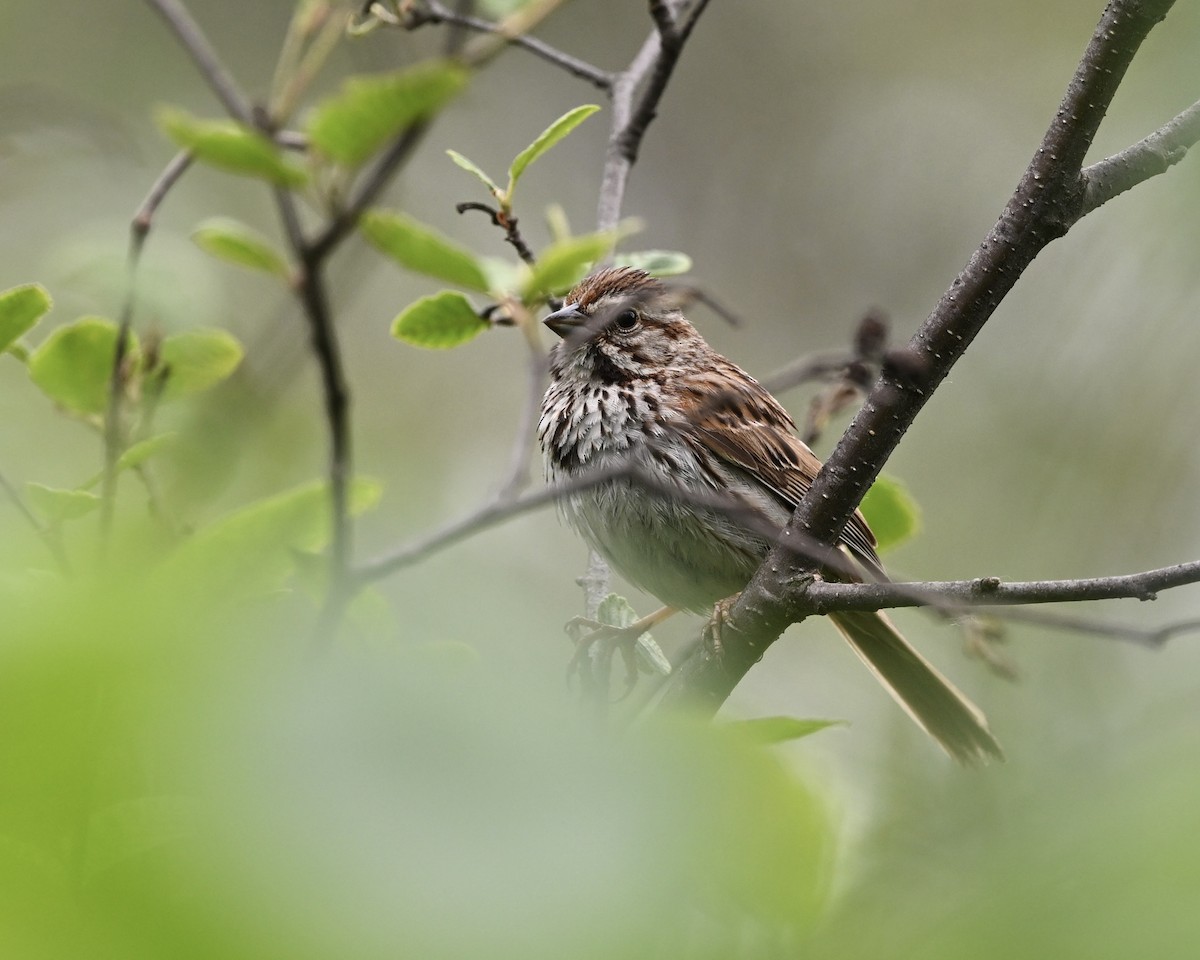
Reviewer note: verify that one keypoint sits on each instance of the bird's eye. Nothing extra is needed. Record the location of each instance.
(626, 320)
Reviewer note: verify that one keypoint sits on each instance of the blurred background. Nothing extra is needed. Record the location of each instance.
(815, 161)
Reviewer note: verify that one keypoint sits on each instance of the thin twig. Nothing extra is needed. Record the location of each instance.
(517, 475)
(505, 222)
(310, 287)
(52, 542)
(431, 12)
(139, 229)
(189, 34)
(991, 591)
(1153, 638)
(1147, 158)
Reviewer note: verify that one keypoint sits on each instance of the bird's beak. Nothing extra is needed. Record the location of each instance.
(566, 320)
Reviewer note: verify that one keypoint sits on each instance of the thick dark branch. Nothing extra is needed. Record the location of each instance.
(188, 32)
(1049, 199)
(991, 591)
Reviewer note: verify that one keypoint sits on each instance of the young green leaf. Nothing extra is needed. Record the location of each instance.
(198, 359)
(74, 364)
(57, 505)
(420, 248)
(892, 512)
(20, 308)
(471, 167)
(545, 140)
(769, 730)
(563, 264)
(369, 111)
(439, 322)
(232, 147)
(233, 241)
(658, 263)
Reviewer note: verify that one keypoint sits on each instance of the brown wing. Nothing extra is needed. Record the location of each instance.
(743, 424)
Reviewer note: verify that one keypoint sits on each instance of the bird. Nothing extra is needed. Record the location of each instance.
(700, 468)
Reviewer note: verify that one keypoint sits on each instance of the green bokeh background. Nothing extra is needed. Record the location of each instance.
(815, 160)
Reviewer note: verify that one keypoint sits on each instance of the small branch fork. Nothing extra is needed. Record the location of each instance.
(1055, 192)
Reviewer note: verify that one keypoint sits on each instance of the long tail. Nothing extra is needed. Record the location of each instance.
(928, 697)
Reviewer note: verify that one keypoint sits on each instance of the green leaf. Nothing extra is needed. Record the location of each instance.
(769, 730)
(20, 308)
(420, 248)
(74, 365)
(198, 359)
(658, 263)
(233, 241)
(232, 147)
(253, 550)
(57, 505)
(891, 512)
(369, 111)
(439, 322)
(545, 140)
(564, 264)
(143, 450)
(472, 168)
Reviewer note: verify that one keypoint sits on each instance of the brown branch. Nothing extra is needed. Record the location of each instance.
(506, 222)
(431, 12)
(824, 596)
(1051, 196)
(192, 38)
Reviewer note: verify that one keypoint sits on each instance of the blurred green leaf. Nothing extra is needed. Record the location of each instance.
(369, 111)
(74, 364)
(125, 831)
(252, 550)
(769, 730)
(440, 321)
(544, 142)
(231, 240)
(474, 169)
(891, 512)
(418, 247)
(232, 147)
(57, 505)
(658, 263)
(20, 308)
(198, 359)
(564, 264)
(143, 450)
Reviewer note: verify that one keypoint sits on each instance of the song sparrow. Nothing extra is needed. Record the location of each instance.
(634, 385)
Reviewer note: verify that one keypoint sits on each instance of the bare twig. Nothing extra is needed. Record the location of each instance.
(1048, 200)
(505, 222)
(1147, 158)
(431, 12)
(518, 469)
(139, 228)
(1153, 638)
(189, 34)
(991, 591)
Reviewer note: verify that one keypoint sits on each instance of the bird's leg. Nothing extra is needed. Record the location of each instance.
(711, 636)
(620, 639)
